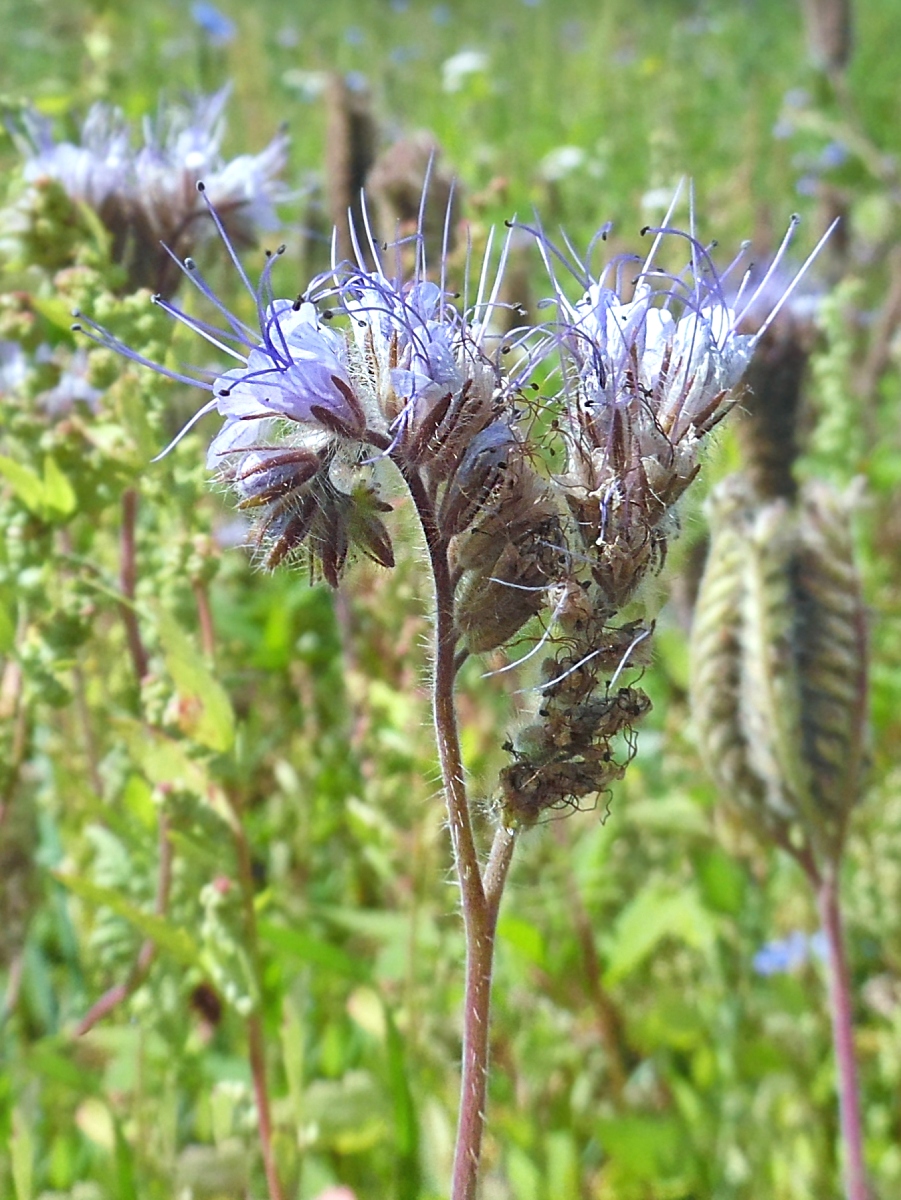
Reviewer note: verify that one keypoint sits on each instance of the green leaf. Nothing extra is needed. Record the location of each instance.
(59, 495)
(21, 1154)
(7, 631)
(723, 882)
(26, 484)
(206, 713)
(177, 942)
(166, 764)
(406, 1125)
(656, 913)
(647, 1147)
(346, 1114)
(45, 1062)
(670, 812)
(55, 311)
(312, 950)
(524, 938)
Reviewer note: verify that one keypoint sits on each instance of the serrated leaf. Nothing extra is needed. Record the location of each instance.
(59, 495)
(175, 941)
(206, 713)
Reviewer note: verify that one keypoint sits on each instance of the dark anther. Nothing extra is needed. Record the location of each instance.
(327, 315)
(509, 224)
(76, 328)
(224, 392)
(645, 230)
(268, 253)
(190, 264)
(282, 248)
(201, 186)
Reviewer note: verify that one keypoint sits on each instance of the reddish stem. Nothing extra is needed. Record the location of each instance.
(843, 1037)
(480, 895)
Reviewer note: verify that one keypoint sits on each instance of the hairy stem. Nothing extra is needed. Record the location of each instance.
(480, 942)
(843, 1037)
(480, 895)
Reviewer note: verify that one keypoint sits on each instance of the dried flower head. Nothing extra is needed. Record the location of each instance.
(780, 665)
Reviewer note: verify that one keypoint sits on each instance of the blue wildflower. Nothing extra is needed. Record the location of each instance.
(219, 29)
(786, 955)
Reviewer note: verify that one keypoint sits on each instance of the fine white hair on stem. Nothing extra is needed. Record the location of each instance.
(542, 641)
(637, 640)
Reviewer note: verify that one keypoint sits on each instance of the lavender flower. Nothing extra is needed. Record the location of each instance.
(148, 196)
(645, 380)
(366, 366)
(316, 403)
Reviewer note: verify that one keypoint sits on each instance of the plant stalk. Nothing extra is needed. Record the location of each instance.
(843, 1037)
(480, 895)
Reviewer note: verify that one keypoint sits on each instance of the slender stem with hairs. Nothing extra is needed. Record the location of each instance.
(480, 892)
(827, 892)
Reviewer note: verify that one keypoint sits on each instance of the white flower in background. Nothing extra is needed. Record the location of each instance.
(459, 67)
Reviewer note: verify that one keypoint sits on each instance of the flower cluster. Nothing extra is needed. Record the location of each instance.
(366, 367)
(146, 197)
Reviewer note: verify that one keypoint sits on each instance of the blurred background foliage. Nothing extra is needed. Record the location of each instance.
(252, 833)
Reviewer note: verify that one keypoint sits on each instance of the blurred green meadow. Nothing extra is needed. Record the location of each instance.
(277, 758)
